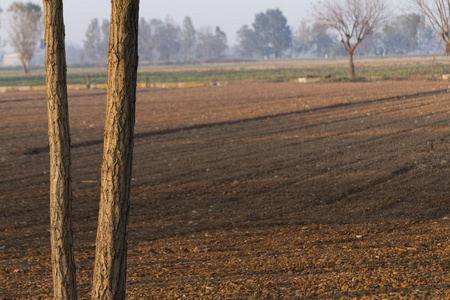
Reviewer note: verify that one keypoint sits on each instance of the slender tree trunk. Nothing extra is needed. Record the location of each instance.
(63, 265)
(351, 65)
(25, 65)
(109, 280)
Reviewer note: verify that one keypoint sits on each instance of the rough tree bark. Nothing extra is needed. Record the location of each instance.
(109, 280)
(63, 265)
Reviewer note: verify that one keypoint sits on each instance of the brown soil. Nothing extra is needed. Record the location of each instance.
(247, 190)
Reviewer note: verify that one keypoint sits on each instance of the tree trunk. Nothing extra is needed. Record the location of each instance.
(352, 65)
(63, 265)
(111, 248)
(25, 65)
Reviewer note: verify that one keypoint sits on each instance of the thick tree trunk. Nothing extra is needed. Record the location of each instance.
(111, 248)
(63, 264)
(351, 65)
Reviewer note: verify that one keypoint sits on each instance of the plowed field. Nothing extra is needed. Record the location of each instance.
(247, 190)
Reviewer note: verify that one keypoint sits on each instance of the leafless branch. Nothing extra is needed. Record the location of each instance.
(352, 19)
(438, 14)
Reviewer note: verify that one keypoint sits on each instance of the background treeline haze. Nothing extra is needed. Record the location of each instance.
(268, 36)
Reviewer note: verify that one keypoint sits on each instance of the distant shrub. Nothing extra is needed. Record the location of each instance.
(341, 79)
(348, 79)
(359, 79)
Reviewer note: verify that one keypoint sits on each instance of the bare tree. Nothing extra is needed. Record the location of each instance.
(145, 40)
(63, 264)
(219, 43)
(353, 20)
(25, 30)
(205, 40)
(438, 14)
(166, 38)
(109, 280)
(96, 40)
(211, 44)
(302, 37)
(188, 38)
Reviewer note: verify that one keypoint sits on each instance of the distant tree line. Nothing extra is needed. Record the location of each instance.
(403, 35)
(268, 36)
(161, 41)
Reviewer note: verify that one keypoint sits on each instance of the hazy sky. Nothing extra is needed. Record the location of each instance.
(230, 15)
